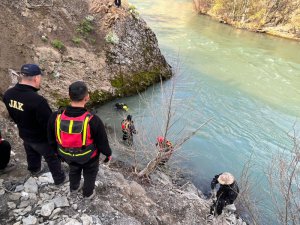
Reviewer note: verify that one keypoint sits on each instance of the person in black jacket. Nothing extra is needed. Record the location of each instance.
(5, 150)
(227, 193)
(31, 112)
(79, 144)
(118, 3)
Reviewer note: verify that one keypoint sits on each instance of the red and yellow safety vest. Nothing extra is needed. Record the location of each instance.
(73, 135)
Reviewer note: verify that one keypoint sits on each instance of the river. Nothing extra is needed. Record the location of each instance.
(248, 83)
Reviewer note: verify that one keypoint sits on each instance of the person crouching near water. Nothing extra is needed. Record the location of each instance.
(128, 129)
(227, 193)
(165, 149)
(79, 138)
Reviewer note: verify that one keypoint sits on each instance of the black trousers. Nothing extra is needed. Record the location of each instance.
(118, 3)
(90, 170)
(218, 206)
(5, 149)
(35, 151)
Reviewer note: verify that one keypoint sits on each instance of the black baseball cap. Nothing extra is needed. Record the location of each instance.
(31, 70)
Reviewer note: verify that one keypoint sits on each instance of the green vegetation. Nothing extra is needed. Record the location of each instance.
(62, 102)
(85, 27)
(132, 9)
(86, 30)
(58, 44)
(112, 38)
(137, 82)
(76, 40)
(98, 97)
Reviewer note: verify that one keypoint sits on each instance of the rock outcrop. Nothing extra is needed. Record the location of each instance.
(110, 48)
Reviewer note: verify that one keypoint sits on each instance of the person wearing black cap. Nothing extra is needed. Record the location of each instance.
(5, 150)
(31, 113)
(79, 137)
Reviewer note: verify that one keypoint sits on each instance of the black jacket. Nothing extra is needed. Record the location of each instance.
(226, 192)
(29, 111)
(98, 132)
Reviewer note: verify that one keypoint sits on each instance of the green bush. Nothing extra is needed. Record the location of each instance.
(76, 40)
(112, 38)
(132, 9)
(85, 27)
(58, 44)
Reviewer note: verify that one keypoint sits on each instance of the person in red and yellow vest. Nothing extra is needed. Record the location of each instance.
(165, 148)
(128, 128)
(79, 137)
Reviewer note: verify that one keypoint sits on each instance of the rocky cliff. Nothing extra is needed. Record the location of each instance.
(110, 48)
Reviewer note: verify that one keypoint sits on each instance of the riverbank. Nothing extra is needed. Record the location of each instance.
(278, 20)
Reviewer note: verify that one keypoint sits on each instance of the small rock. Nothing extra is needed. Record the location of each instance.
(32, 197)
(55, 211)
(47, 209)
(17, 223)
(24, 204)
(44, 38)
(75, 206)
(2, 191)
(61, 201)
(26, 210)
(11, 205)
(31, 185)
(19, 218)
(46, 178)
(14, 196)
(73, 222)
(30, 220)
(19, 188)
(24, 196)
(137, 189)
(86, 220)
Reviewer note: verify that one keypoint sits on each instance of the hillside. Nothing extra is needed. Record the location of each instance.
(279, 18)
(110, 48)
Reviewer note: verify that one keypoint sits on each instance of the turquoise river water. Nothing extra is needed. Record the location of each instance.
(248, 83)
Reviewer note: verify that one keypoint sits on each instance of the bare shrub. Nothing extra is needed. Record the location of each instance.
(165, 122)
(284, 180)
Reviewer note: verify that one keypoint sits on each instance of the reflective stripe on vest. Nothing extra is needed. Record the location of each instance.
(58, 128)
(76, 155)
(85, 124)
(71, 126)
